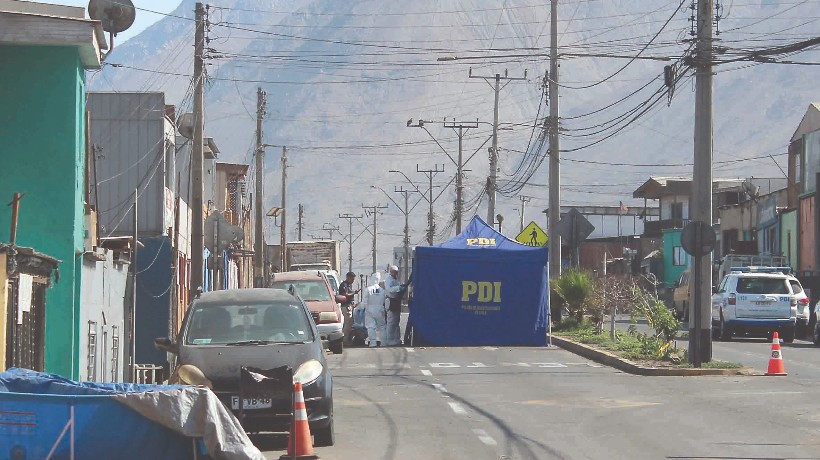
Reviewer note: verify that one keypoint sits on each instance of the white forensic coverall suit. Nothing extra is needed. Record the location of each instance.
(392, 289)
(373, 300)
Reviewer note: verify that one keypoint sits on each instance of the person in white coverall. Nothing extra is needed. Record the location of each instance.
(373, 300)
(393, 291)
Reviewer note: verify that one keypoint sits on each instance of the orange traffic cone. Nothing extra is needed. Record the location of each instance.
(776, 361)
(300, 445)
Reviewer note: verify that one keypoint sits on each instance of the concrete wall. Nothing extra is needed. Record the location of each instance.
(42, 126)
(666, 206)
(103, 314)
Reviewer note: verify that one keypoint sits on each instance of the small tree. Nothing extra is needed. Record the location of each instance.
(658, 317)
(575, 287)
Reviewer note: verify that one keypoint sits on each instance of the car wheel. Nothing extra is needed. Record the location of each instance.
(324, 437)
(725, 331)
(788, 334)
(337, 347)
(715, 333)
(815, 336)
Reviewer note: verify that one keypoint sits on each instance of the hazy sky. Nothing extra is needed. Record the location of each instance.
(143, 18)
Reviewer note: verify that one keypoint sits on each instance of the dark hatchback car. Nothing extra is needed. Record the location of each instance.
(264, 329)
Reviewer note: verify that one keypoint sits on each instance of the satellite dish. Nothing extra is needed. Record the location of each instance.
(116, 15)
(751, 191)
(185, 125)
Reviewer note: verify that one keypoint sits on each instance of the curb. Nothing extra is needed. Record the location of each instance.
(612, 360)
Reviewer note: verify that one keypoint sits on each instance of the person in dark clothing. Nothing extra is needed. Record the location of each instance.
(346, 289)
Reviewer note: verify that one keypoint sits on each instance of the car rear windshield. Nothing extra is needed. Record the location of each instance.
(762, 286)
(223, 324)
(308, 290)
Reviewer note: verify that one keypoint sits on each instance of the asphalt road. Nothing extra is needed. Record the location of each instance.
(801, 358)
(546, 403)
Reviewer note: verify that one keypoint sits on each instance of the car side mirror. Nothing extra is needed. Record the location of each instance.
(341, 298)
(166, 344)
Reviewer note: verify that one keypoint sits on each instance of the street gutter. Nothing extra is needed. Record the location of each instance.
(613, 360)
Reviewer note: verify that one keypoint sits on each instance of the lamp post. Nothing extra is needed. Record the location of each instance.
(276, 212)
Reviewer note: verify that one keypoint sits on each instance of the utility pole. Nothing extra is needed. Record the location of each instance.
(283, 230)
(431, 224)
(460, 127)
(330, 229)
(493, 179)
(300, 223)
(259, 240)
(524, 201)
(197, 190)
(374, 211)
(700, 345)
(554, 149)
(349, 218)
(406, 213)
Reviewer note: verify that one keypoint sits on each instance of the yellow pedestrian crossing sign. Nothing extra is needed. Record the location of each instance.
(532, 235)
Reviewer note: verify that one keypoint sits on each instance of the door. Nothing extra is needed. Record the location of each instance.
(26, 329)
(763, 298)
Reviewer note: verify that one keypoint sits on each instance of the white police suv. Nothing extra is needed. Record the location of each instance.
(757, 300)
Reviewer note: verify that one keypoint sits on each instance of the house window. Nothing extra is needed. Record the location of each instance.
(678, 256)
(677, 211)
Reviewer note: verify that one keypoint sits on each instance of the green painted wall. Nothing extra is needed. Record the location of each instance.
(671, 246)
(42, 150)
(789, 237)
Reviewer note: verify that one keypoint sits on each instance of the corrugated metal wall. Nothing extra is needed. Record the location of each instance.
(132, 150)
(103, 336)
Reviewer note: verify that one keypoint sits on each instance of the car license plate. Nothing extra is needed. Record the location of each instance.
(251, 403)
(764, 303)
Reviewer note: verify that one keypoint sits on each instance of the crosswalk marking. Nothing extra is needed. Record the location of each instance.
(457, 408)
(484, 437)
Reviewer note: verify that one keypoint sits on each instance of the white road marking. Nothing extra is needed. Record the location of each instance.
(516, 364)
(440, 388)
(484, 437)
(478, 365)
(765, 393)
(410, 350)
(549, 365)
(457, 408)
(426, 372)
(584, 364)
(444, 365)
(490, 348)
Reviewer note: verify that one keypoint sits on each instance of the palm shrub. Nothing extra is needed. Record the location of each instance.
(575, 287)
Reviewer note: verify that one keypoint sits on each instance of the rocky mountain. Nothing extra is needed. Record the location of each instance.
(343, 78)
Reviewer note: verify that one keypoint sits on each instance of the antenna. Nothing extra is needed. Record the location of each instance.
(115, 15)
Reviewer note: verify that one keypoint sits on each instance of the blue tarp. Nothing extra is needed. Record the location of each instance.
(480, 288)
(114, 420)
(35, 409)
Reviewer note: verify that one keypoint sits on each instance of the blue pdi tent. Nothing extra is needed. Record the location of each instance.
(480, 288)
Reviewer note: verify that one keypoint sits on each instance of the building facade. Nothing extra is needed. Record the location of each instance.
(45, 50)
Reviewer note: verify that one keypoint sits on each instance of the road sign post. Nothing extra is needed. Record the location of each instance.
(575, 228)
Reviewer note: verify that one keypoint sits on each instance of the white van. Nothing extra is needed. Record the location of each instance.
(758, 300)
